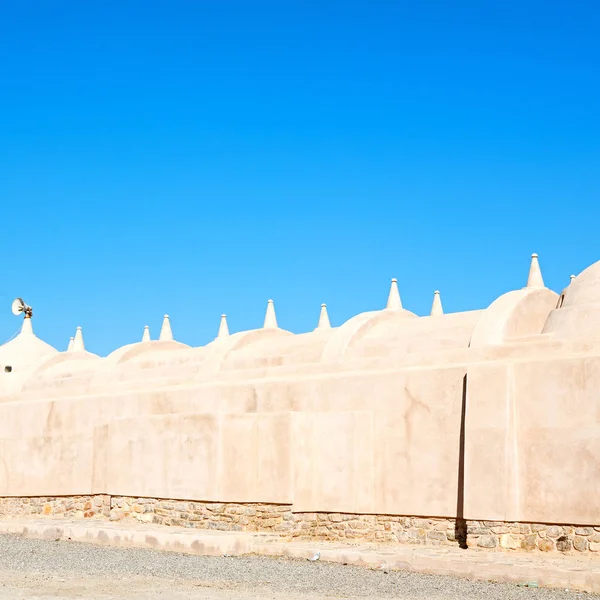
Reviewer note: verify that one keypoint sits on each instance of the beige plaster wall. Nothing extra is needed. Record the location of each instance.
(532, 441)
(487, 415)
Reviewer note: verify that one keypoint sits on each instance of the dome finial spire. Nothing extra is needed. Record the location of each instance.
(270, 316)
(70, 346)
(146, 334)
(223, 327)
(166, 334)
(78, 345)
(394, 302)
(535, 279)
(323, 318)
(436, 307)
(27, 328)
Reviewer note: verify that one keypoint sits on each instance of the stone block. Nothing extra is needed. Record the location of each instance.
(487, 541)
(418, 534)
(402, 537)
(584, 531)
(580, 543)
(478, 530)
(235, 509)
(307, 516)
(554, 532)
(564, 544)
(529, 542)
(421, 523)
(546, 545)
(115, 514)
(594, 546)
(509, 542)
(437, 536)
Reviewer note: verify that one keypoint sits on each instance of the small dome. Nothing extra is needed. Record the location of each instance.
(577, 314)
(20, 357)
(25, 349)
(585, 288)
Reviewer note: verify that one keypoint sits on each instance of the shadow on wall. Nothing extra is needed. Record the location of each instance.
(460, 527)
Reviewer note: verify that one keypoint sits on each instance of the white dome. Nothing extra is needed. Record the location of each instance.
(585, 288)
(21, 356)
(578, 312)
(25, 349)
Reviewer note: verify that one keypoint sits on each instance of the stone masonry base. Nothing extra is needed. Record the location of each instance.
(337, 527)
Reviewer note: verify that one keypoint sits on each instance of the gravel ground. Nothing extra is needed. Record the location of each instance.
(36, 569)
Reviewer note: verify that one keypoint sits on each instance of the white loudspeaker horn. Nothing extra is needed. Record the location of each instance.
(18, 307)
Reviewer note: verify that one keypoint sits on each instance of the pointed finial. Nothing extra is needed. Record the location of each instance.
(572, 277)
(27, 328)
(165, 331)
(324, 318)
(535, 279)
(223, 327)
(146, 334)
(78, 345)
(436, 308)
(394, 301)
(70, 346)
(270, 317)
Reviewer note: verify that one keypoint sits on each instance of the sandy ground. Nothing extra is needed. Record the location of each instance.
(45, 570)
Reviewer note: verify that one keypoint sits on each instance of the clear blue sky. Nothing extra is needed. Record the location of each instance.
(201, 157)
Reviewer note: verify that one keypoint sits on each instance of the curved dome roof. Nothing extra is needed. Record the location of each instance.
(25, 349)
(585, 288)
(578, 312)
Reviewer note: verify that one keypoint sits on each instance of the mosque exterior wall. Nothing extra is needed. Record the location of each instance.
(479, 428)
